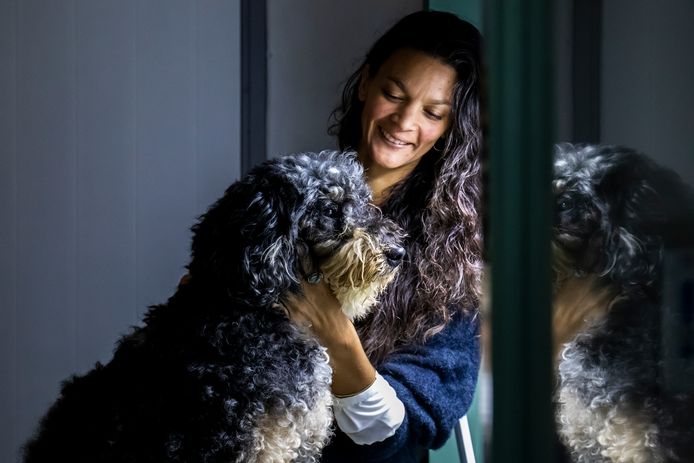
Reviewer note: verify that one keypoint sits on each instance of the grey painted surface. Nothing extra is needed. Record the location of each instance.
(563, 75)
(118, 127)
(8, 232)
(313, 46)
(647, 75)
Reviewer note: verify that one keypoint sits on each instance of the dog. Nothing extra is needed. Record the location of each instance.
(219, 373)
(618, 214)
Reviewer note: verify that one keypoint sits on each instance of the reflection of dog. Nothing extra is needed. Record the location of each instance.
(617, 213)
(218, 373)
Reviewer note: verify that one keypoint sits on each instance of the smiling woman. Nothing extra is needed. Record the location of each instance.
(404, 374)
(406, 110)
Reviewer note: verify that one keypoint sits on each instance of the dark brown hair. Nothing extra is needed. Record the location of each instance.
(439, 202)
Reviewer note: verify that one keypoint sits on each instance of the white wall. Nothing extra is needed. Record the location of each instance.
(313, 46)
(648, 79)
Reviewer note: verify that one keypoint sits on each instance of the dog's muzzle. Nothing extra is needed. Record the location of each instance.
(395, 255)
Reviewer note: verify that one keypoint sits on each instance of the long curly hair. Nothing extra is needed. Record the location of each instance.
(438, 204)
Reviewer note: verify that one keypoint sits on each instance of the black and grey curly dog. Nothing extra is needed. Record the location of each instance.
(219, 373)
(618, 215)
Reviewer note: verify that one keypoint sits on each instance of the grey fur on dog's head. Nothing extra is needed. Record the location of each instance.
(285, 221)
(617, 211)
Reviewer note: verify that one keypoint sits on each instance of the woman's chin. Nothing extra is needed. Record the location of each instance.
(387, 163)
(389, 158)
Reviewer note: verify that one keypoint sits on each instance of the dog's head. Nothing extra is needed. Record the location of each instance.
(299, 216)
(616, 210)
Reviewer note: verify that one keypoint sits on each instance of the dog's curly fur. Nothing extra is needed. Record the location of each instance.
(219, 373)
(617, 214)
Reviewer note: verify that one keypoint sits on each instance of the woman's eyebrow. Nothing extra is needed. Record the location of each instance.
(402, 87)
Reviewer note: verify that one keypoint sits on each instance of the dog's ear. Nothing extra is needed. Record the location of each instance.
(644, 201)
(245, 243)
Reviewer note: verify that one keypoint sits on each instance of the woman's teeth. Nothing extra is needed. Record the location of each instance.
(392, 139)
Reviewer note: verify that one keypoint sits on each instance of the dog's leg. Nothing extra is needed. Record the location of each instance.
(296, 432)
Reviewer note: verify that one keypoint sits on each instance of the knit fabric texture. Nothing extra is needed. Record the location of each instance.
(436, 382)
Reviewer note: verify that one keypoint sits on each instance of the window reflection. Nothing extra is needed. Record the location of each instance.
(622, 237)
(623, 234)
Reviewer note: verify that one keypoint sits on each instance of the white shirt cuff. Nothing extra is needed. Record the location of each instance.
(372, 415)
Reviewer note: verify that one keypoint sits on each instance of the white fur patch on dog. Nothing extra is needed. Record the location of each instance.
(606, 431)
(297, 431)
(357, 274)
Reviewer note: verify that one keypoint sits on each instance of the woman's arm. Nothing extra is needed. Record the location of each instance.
(319, 310)
(366, 407)
(435, 382)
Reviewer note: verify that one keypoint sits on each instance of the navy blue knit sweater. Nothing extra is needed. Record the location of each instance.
(435, 382)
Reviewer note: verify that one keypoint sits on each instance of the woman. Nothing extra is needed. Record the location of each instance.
(405, 374)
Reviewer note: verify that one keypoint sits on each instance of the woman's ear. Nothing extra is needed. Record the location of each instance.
(363, 83)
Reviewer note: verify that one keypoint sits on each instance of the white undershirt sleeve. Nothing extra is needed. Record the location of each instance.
(371, 415)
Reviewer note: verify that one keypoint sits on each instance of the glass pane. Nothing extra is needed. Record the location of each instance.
(621, 233)
(624, 235)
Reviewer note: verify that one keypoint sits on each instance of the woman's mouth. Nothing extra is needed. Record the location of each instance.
(391, 139)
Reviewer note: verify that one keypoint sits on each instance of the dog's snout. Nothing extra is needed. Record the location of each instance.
(395, 255)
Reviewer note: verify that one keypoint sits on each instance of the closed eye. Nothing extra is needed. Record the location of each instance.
(434, 116)
(391, 96)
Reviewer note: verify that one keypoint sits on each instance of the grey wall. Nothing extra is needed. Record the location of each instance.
(563, 70)
(648, 79)
(118, 126)
(313, 46)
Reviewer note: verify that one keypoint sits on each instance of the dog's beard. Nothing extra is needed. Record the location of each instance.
(579, 298)
(561, 266)
(577, 304)
(357, 273)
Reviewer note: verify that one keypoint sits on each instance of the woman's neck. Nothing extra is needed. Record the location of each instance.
(381, 179)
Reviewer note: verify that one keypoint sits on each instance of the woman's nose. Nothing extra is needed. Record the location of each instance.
(404, 117)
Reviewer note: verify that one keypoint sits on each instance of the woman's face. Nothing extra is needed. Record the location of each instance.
(407, 108)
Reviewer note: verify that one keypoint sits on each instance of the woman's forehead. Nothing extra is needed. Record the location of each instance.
(413, 70)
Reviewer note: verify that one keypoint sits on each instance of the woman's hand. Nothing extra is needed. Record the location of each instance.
(320, 311)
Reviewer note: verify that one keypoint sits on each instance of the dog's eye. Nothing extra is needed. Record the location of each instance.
(333, 213)
(565, 204)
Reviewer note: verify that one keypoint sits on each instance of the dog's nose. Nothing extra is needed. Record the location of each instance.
(395, 255)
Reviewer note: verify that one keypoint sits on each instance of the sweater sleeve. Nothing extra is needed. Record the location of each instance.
(372, 415)
(435, 382)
